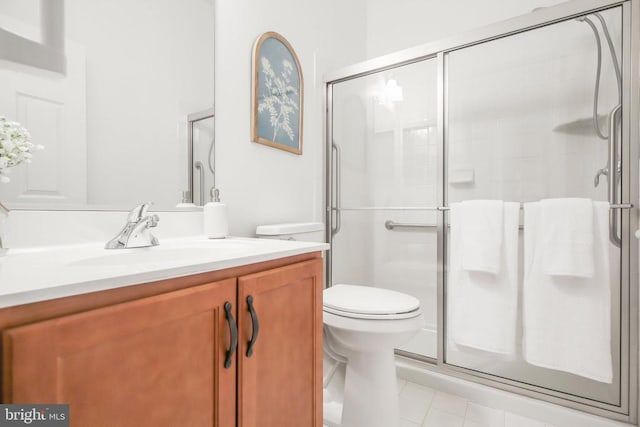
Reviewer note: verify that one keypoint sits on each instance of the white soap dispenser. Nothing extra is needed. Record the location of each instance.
(215, 217)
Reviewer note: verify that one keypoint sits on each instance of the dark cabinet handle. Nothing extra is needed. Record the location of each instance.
(256, 326)
(233, 329)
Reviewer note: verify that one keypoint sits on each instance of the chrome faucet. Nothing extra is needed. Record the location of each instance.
(135, 233)
(4, 211)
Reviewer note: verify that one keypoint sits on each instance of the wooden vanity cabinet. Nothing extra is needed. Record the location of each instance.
(159, 360)
(153, 361)
(280, 380)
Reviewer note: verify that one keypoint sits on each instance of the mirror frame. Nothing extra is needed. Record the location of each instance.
(48, 55)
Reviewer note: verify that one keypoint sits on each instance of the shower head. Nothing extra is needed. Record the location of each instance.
(576, 126)
(580, 127)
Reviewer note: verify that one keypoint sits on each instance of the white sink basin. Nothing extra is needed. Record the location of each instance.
(41, 273)
(200, 251)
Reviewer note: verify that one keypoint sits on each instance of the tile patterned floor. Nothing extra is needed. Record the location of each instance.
(424, 407)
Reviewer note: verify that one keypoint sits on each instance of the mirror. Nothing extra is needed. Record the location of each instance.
(115, 120)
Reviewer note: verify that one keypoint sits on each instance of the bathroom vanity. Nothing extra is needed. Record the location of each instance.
(137, 351)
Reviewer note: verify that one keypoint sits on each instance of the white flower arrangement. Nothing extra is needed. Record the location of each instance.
(15, 146)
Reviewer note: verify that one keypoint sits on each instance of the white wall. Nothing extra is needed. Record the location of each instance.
(422, 21)
(260, 184)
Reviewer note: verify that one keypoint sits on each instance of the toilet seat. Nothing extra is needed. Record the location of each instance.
(366, 302)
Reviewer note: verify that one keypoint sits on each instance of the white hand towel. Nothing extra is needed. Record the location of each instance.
(482, 307)
(482, 226)
(566, 319)
(567, 237)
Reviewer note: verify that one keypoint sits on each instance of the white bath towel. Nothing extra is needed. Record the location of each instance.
(482, 306)
(481, 224)
(566, 319)
(566, 237)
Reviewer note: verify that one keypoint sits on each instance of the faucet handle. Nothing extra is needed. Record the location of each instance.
(138, 212)
(153, 221)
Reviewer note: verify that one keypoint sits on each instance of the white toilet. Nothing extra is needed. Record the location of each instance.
(362, 326)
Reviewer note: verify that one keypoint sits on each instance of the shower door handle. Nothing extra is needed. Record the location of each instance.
(612, 176)
(338, 186)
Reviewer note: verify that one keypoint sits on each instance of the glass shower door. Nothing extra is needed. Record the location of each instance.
(385, 168)
(534, 119)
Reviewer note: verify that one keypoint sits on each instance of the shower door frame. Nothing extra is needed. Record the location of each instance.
(627, 410)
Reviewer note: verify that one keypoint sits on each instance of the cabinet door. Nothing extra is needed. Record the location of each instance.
(155, 361)
(280, 383)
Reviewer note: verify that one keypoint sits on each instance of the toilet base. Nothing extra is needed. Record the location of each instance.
(332, 414)
(370, 390)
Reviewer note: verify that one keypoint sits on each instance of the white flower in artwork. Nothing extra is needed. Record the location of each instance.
(280, 99)
(15, 146)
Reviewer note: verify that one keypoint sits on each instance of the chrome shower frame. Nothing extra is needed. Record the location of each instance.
(628, 409)
(191, 120)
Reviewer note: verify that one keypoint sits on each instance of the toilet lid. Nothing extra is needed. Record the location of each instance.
(367, 301)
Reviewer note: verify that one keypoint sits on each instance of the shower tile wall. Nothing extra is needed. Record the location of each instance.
(520, 124)
(518, 127)
(504, 103)
(389, 159)
(508, 101)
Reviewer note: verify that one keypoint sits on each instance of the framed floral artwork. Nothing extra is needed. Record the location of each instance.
(277, 95)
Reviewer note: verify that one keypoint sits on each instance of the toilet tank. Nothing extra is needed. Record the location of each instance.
(302, 231)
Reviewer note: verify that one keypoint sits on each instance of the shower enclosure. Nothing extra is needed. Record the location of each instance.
(543, 106)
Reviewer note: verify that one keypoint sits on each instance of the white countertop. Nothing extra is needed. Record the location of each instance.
(31, 275)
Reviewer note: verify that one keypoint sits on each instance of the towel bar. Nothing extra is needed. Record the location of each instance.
(390, 225)
(621, 206)
(440, 208)
(611, 206)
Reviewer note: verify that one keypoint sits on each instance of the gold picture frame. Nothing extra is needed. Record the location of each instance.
(277, 94)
